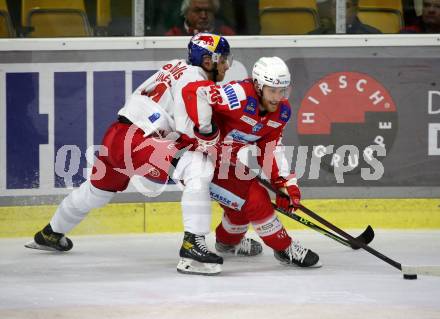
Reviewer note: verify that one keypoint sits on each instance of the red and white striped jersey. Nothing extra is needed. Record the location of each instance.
(235, 109)
(157, 104)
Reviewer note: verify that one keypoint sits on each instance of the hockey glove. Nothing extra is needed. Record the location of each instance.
(207, 141)
(289, 186)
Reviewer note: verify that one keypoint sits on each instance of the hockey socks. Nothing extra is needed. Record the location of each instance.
(272, 233)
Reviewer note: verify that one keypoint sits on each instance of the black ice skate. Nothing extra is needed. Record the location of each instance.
(246, 247)
(47, 239)
(195, 258)
(297, 255)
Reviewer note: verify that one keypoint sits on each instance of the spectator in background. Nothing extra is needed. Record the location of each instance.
(200, 16)
(429, 21)
(326, 15)
(354, 25)
(409, 12)
(14, 8)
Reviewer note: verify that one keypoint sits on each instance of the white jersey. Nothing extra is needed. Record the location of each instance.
(157, 104)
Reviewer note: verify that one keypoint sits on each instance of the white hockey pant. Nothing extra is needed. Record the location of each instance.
(196, 171)
(75, 207)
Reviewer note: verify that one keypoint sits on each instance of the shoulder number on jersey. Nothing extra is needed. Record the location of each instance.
(163, 80)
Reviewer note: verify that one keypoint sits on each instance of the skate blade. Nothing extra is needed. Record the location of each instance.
(193, 267)
(317, 265)
(33, 245)
(234, 253)
(229, 254)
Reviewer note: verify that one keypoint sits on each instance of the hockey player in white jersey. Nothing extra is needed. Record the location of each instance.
(139, 143)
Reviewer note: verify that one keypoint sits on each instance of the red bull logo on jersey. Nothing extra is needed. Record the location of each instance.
(207, 41)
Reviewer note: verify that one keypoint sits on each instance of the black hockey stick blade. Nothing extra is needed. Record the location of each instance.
(366, 237)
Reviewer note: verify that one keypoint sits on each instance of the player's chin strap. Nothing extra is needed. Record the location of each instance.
(260, 100)
(215, 58)
(214, 73)
(261, 111)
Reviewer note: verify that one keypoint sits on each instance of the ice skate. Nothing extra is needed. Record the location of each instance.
(195, 258)
(49, 240)
(297, 255)
(246, 247)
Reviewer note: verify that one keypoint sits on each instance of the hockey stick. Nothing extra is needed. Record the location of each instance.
(366, 237)
(409, 272)
(337, 230)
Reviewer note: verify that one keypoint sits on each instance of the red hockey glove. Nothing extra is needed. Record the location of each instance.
(289, 186)
(207, 142)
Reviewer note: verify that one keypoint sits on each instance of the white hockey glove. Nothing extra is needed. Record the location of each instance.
(207, 141)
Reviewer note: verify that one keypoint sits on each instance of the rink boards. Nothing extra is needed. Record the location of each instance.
(159, 217)
(57, 96)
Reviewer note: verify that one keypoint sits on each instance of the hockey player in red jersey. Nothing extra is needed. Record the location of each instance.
(253, 111)
(140, 143)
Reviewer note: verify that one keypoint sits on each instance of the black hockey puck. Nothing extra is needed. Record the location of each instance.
(409, 276)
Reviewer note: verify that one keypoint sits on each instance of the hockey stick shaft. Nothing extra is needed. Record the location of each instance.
(313, 226)
(366, 236)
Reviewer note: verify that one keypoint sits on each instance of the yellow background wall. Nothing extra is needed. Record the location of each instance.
(20, 221)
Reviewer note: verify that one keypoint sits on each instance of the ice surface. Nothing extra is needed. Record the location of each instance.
(134, 276)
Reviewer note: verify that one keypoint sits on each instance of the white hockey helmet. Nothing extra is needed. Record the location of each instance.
(271, 71)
